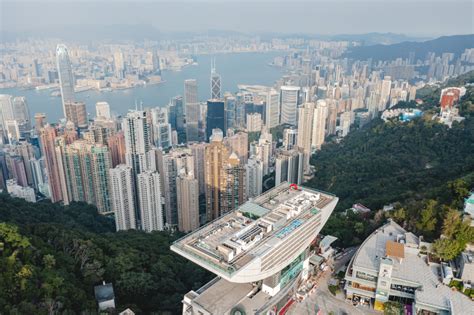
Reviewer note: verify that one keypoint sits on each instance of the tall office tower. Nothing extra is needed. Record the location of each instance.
(254, 122)
(102, 110)
(232, 187)
(319, 124)
(161, 127)
(239, 144)
(215, 82)
(119, 65)
(254, 177)
(257, 269)
(290, 138)
(122, 197)
(149, 200)
(40, 121)
(76, 113)
(216, 157)
(66, 77)
(198, 150)
(137, 141)
(230, 103)
(21, 113)
(47, 142)
(272, 115)
(289, 96)
(192, 110)
(305, 132)
(116, 144)
(177, 161)
(345, 123)
(215, 117)
(178, 106)
(187, 189)
(331, 120)
(289, 167)
(385, 93)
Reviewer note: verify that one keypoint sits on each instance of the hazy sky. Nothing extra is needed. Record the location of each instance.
(412, 17)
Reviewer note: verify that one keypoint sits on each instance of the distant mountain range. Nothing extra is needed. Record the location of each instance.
(454, 44)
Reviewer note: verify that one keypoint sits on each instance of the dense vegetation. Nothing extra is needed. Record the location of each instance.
(52, 256)
(410, 163)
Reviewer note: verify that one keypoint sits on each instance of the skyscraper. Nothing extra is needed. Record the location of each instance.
(215, 117)
(137, 141)
(272, 115)
(232, 188)
(254, 177)
(289, 96)
(122, 197)
(116, 144)
(216, 157)
(76, 113)
(47, 141)
(215, 82)
(198, 150)
(119, 65)
(289, 167)
(177, 161)
(238, 143)
(192, 110)
(149, 200)
(187, 189)
(385, 92)
(66, 76)
(230, 103)
(290, 138)
(305, 131)
(6, 113)
(319, 124)
(161, 127)
(21, 114)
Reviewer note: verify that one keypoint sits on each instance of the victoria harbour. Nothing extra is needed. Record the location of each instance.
(235, 68)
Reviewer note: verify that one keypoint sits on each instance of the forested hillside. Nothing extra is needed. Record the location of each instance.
(52, 256)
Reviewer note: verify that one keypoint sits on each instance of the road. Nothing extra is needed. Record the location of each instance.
(323, 299)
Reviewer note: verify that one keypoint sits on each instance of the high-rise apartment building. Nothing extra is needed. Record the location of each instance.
(47, 142)
(137, 135)
(187, 189)
(289, 96)
(254, 177)
(305, 132)
(254, 122)
(289, 167)
(216, 158)
(119, 65)
(161, 128)
(76, 113)
(21, 114)
(198, 150)
(232, 186)
(272, 115)
(290, 138)
(66, 76)
(238, 143)
(122, 197)
(319, 124)
(149, 200)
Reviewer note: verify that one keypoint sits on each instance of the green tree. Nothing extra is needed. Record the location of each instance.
(427, 223)
(446, 249)
(451, 223)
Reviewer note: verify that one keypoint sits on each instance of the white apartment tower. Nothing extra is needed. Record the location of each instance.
(137, 141)
(149, 200)
(272, 117)
(122, 197)
(319, 124)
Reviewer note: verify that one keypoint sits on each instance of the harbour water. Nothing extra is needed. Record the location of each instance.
(235, 68)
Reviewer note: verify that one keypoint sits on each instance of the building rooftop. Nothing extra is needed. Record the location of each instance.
(229, 243)
(409, 267)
